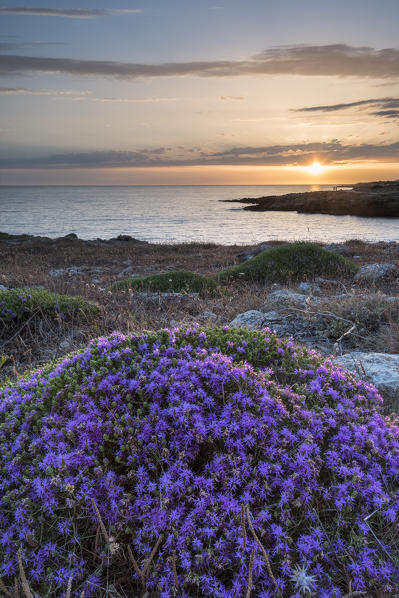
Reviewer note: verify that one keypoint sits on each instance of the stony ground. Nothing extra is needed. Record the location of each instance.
(333, 316)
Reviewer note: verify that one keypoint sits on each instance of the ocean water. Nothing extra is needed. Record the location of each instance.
(167, 214)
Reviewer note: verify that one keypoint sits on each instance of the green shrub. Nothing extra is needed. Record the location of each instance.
(290, 263)
(17, 305)
(181, 281)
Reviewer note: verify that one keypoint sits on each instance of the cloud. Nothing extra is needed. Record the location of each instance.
(8, 46)
(70, 13)
(132, 100)
(337, 60)
(332, 152)
(24, 91)
(386, 107)
(232, 98)
(72, 94)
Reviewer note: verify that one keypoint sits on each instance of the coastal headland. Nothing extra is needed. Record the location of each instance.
(379, 199)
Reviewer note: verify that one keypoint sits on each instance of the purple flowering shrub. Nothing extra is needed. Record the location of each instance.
(196, 462)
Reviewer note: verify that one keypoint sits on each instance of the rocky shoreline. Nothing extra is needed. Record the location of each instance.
(378, 199)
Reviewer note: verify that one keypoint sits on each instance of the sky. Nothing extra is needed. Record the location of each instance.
(198, 92)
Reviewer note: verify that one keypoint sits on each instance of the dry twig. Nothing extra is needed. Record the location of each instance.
(151, 557)
(25, 585)
(259, 543)
(100, 521)
(4, 589)
(174, 569)
(69, 588)
(250, 570)
(135, 565)
(243, 528)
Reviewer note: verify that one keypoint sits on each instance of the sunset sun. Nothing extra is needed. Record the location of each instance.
(315, 168)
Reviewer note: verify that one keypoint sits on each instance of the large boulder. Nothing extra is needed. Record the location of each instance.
(252, 319)
(285, 297)
(370, 272)
(382, 369)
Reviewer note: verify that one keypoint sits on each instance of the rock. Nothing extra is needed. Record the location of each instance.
(286, 297)
(252, 319)
(71, 271)
(325, 282)
(309, 288)
(72, 236)
(339, 248)
(65, 345)
(208, 315)
(376, 271)
(57, 273)
(245, 256)
(124, 238)
(273, 316)
(363, 199)
(127, 272)
(382, 369)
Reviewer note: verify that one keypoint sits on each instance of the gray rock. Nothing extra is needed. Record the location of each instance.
(376, 271)
(382, 369)
(309, 288)
(273, 316)
(125, 272)
(339, 248)
(208, 315)
(244, 257)
(286, 297)
(252, 319)
(71, 271)
(57, 273)
(325, 282)
(65, 345)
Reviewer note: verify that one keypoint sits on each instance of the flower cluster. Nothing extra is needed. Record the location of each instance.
(196, 462)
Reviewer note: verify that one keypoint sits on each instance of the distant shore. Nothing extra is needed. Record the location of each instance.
(379, 199)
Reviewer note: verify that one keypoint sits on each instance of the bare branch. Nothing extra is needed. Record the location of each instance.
(250, 570)
(25, 585)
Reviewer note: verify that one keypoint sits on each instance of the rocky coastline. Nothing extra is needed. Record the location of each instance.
(379, 199)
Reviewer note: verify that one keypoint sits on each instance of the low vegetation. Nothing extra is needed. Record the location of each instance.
(18, 305)
(196, 462)
(290, 263)
(179, 281)
(374, 318)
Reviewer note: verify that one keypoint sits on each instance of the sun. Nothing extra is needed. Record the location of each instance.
(315, 168)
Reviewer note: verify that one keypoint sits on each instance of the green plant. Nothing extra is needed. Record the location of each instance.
(18, 305)
(290, 263)
(180, 281)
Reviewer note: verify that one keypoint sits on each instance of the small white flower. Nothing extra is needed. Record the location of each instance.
(303, 582)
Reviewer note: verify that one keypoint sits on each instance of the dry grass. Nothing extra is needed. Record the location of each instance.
(29, 262)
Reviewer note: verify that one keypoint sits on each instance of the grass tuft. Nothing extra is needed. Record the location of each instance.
(290, 263)
(180, 281)
(18, 305)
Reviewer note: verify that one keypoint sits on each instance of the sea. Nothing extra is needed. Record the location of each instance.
(176, 214)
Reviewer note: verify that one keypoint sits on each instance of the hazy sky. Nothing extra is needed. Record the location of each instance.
(189, 91)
